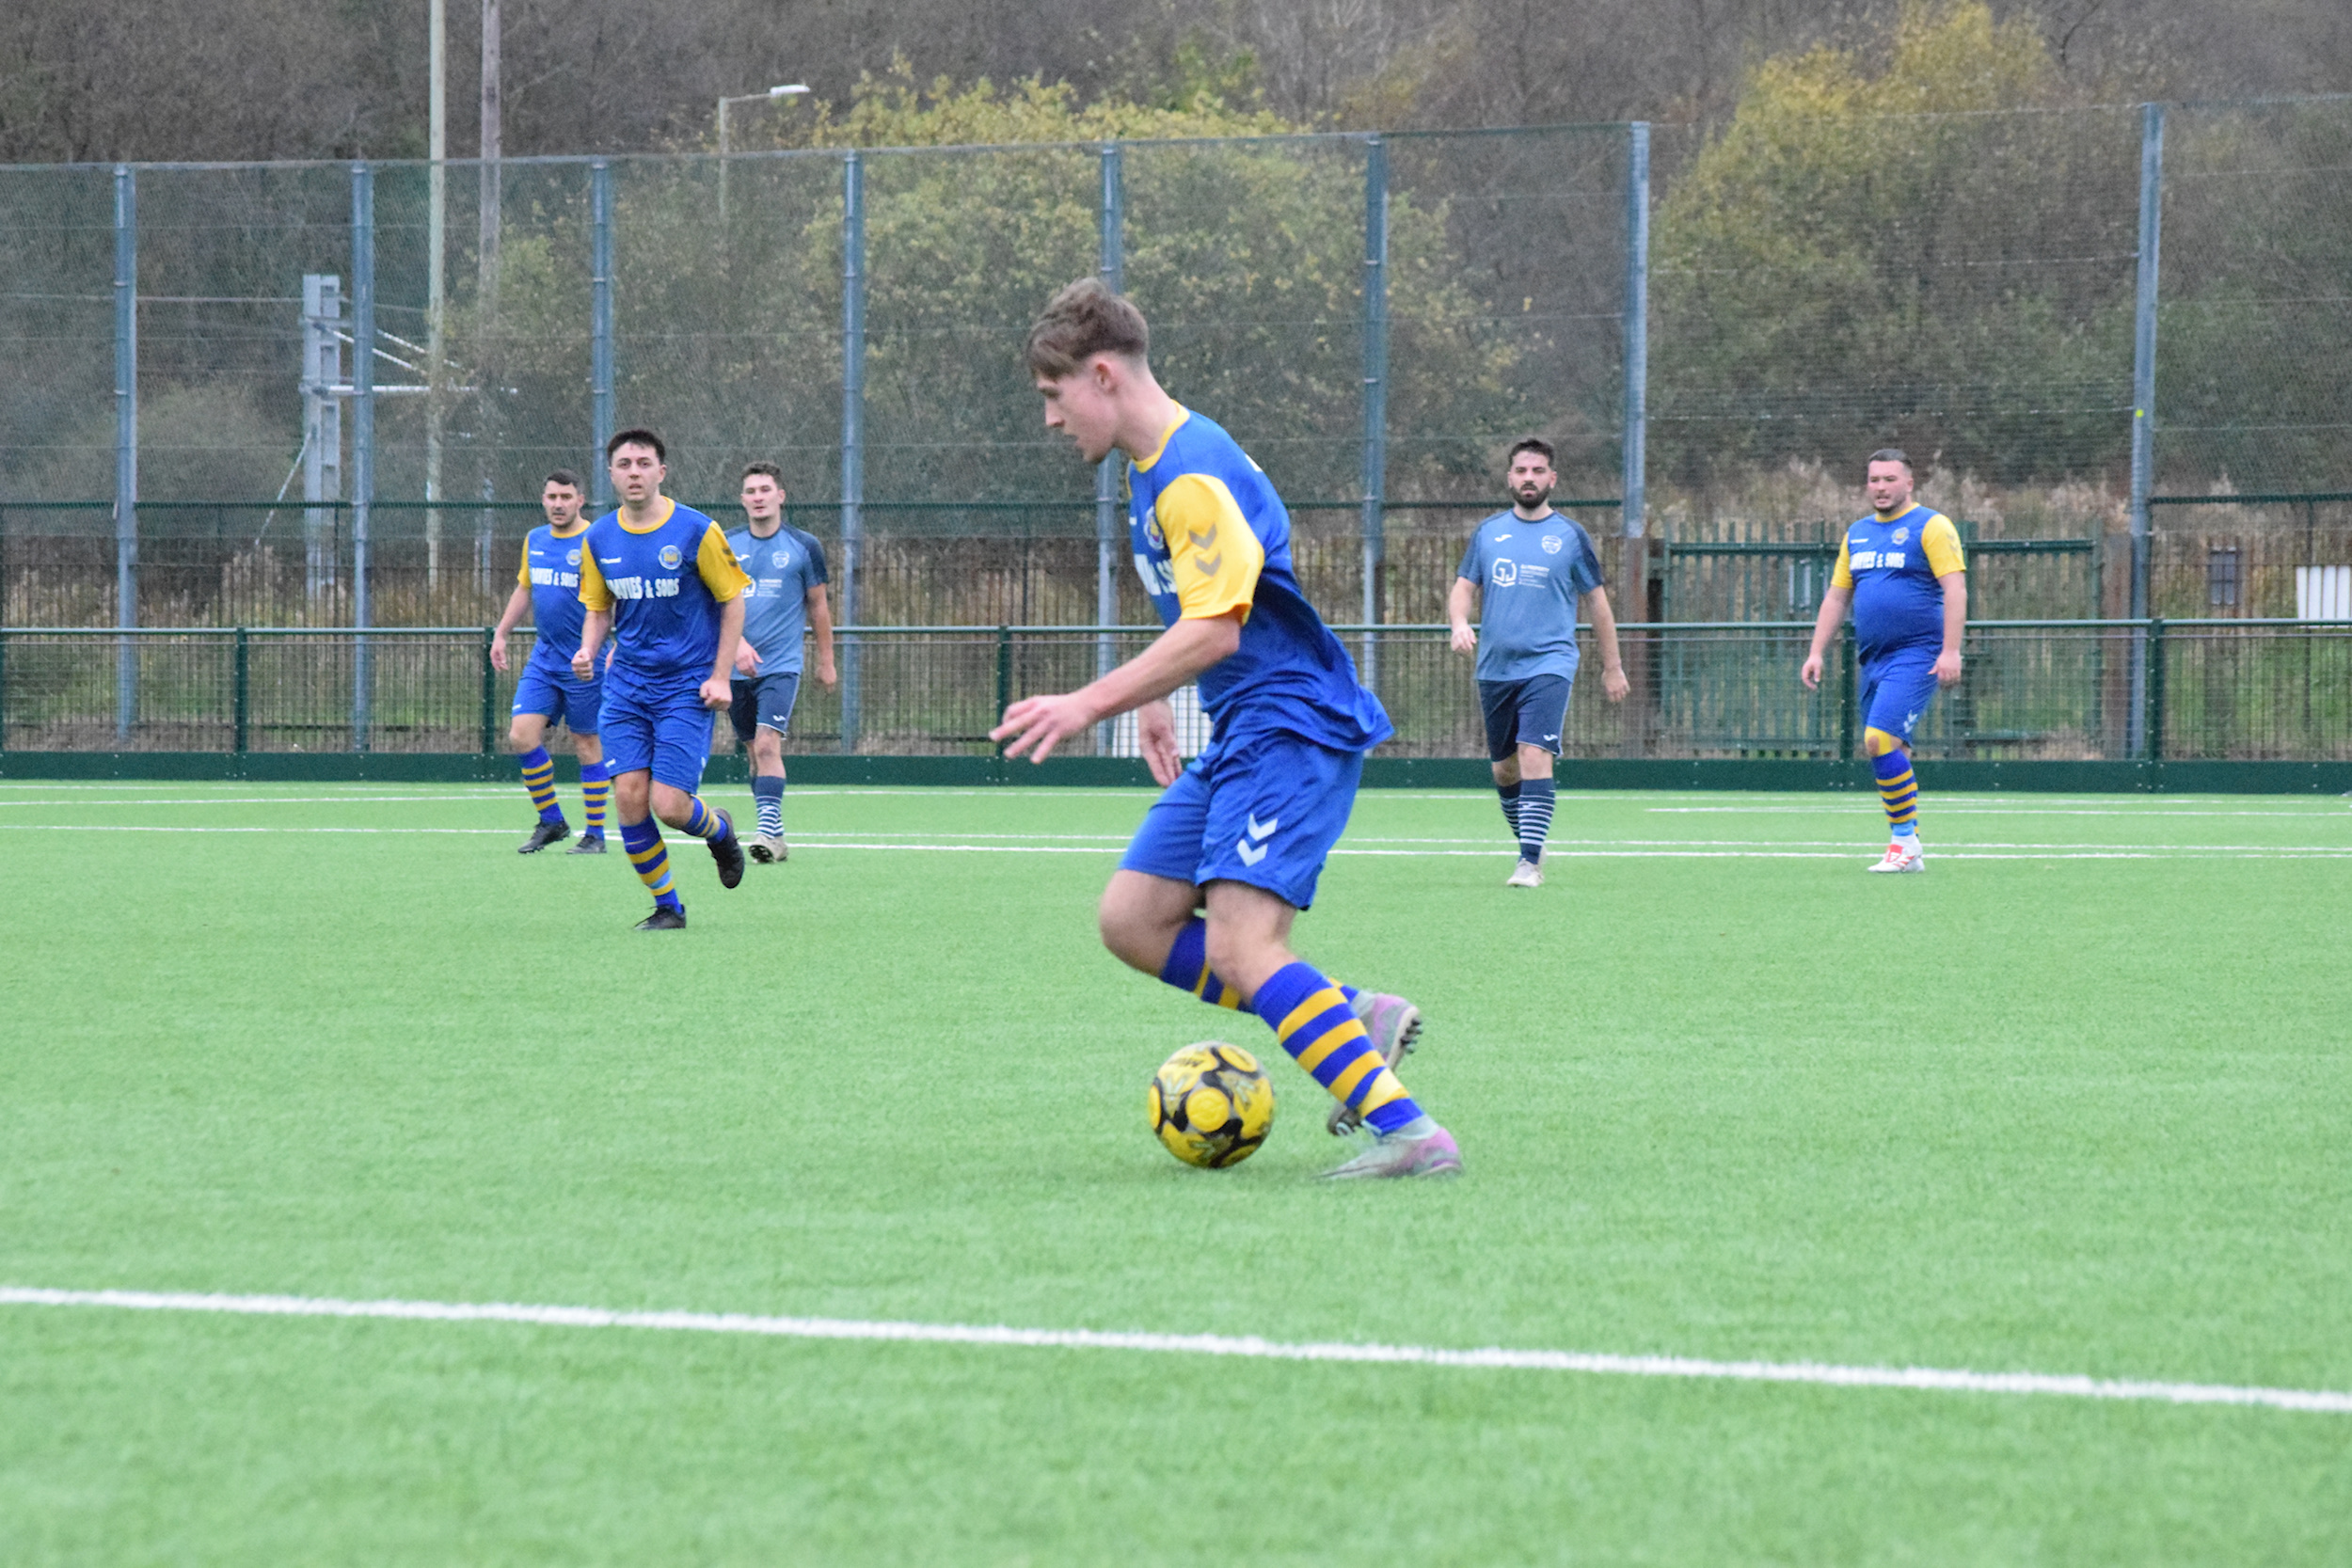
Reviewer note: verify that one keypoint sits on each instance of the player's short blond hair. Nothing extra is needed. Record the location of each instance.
(1084, 320)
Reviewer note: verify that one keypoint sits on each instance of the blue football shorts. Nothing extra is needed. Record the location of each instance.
(666, 730)
(1530, 712)
(1262, 809)
(764, 701)
(551, 689)
(1897, 688)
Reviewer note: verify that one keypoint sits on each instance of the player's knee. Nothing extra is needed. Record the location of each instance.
(1877, 742)
(1507, 772)
(522, 736)
(1133, 937)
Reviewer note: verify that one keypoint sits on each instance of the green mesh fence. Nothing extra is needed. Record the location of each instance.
(1374, 318)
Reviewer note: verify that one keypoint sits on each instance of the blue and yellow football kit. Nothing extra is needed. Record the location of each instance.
(663, 585)
(1895, 567)
(1266, 801)
(1270, 794)
(551, 568)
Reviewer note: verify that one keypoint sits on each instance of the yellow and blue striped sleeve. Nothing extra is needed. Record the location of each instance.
(1842, 575)
(593, 592)
(721, 573)
(1212, 550)
(1941, 541)
(522, 573)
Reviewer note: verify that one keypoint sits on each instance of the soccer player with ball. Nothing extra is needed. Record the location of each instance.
(1241, 835)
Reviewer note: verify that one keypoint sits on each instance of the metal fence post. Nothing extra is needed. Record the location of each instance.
(1004, 673)
(126, 445)
(2144, 380)
(1114, 269)
(1633, 511)
(489, 696)
(362, 437)
(1375, 390)
(2153, 723)
(1846, 701)
(852, 427)
(242, 687)
(4, 691)
(600, 323)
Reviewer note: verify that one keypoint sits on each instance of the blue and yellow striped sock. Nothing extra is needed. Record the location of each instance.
(651, 857)
(1899, 791)
(1311, 1017)
(596, 789)
(539, 778)
(768, 797)
(1188, 969)
(705, 822)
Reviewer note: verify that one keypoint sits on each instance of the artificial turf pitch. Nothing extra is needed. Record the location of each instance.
(2075, 1101)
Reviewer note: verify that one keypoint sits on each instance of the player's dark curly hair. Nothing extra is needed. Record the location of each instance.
(763, 467)
(1530, 443)
(637, 438)
(1084, 320)
(565, 477)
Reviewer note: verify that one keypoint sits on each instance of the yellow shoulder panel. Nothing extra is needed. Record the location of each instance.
(1842, 575)
(1941, 541)
(1212, 549)
(719, 571)
(522, 573)
(593, 592)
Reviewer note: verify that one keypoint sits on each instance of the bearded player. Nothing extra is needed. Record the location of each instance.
(1241, 835)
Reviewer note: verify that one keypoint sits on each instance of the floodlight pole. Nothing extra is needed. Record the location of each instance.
(362, 437)
(2144, 402)
(126, 301)
(600, 325)
(852, 427)
(436, 281)
(1633, 508)
(1375, 352)
(1114, 270)
(787, 89)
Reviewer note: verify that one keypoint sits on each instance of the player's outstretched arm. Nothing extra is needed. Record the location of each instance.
(1034, 725)
(1824, 627)
(516, 602)
(1955, 585)
(1612, 682)
(1457, 610)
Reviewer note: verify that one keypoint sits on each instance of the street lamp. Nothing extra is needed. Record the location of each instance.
(791, 90)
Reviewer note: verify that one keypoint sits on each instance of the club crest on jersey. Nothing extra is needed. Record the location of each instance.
(781, 560)
(1900, 537)
(1151, 533)
(571, 558)
(1552, 544)
(670, 558)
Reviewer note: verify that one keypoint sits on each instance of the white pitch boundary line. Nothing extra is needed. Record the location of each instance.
(1925, 1379)
(1564, 849)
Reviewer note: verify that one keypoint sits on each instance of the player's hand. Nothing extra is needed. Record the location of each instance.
(826, 673)
(1613, 685)
(1811, 674)
(584, 664)
(746, 659)
(1465, 639)
(1035, 725)
(498, 652)
(1948, 669)
(1155, 736)
(717, 691)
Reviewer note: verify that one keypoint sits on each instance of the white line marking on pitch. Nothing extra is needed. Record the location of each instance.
(1566, 849)
(1930, 1379)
